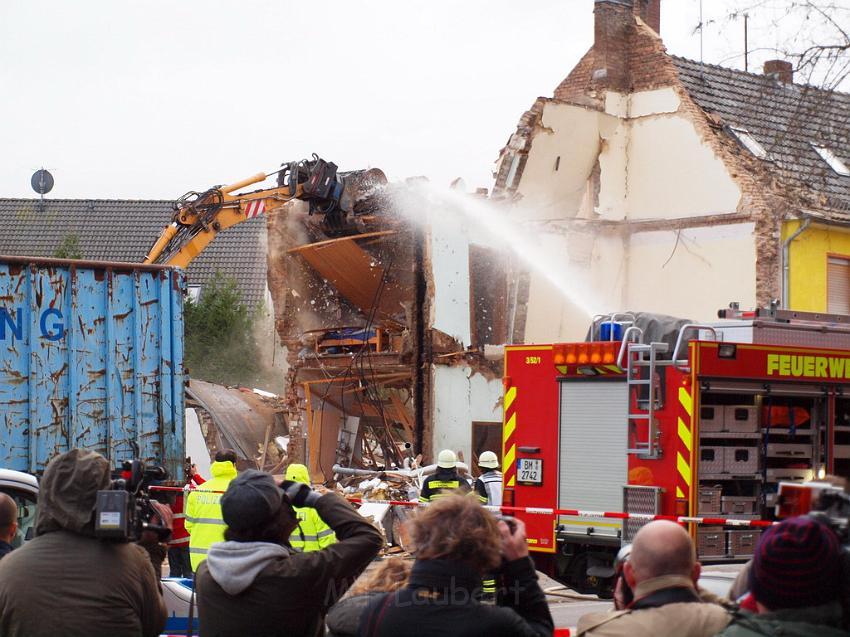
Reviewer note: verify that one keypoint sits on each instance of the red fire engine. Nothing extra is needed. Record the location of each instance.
(705, 422)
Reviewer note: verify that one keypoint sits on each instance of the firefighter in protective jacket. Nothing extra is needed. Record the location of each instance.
(445, 481)
(488, 486)
(312, 532)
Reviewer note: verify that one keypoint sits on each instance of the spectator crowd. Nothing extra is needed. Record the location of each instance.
(272, 558)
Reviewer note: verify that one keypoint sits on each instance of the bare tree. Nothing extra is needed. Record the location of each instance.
(815, 36)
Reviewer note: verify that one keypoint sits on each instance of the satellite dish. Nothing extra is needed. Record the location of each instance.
(42, 181)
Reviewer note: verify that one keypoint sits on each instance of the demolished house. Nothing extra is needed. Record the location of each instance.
(676, 187)
(384, 319)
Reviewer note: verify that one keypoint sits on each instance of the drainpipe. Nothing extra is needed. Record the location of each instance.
(786, 263)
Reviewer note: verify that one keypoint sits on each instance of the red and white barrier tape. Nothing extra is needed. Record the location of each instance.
(648, 517)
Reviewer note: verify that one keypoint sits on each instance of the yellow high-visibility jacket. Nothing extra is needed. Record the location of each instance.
(312, 533)
(203, 512)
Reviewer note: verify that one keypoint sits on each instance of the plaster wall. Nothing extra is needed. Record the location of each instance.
(654, 164)
(460, 397)
(673, 173)
(691, 273)
(449, 257)
(586, 277)
(562, 156)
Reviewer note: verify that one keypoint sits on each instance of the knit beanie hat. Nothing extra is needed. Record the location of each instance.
(251, 498)
(796, 564)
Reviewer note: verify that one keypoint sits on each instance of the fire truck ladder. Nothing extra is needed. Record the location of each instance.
(644, 356)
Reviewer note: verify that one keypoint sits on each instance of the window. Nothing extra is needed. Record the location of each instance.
(838, 285)
(193, 292)
(749, 142)
(832, 160)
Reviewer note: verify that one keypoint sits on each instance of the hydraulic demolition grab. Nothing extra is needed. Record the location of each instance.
(200, 216)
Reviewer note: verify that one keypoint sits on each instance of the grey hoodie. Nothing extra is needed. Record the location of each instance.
(235, 565)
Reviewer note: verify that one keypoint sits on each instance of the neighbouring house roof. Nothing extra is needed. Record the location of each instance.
(786, 119)
(123, 230)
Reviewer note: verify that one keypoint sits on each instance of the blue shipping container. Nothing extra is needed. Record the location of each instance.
(91, 356)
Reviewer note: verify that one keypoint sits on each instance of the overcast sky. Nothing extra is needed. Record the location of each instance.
(150, 99)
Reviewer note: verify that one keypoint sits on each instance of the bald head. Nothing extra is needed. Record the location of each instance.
(662, 548)
(8, 517)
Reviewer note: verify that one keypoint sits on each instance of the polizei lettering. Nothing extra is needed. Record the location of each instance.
(792, 365)
(50, 324)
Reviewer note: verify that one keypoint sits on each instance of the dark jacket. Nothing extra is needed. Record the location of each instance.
(343, 618)
(67, 582)
(5, 548)
(255, 589)
(442, 482)
(816, 621)
(441, 598)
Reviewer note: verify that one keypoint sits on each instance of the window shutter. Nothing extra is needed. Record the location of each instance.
(838, 286)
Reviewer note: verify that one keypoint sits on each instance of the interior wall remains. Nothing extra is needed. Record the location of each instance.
(692, 273)
(460, 397)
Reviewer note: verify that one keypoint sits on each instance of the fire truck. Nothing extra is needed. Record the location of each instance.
(700, 421)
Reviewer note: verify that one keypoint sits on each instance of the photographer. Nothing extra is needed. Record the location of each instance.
(67, 582)
(456, 540)
(254, 583)
(661, 573)
(795, 581)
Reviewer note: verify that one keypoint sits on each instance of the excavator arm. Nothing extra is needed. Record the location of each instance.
(200, 216)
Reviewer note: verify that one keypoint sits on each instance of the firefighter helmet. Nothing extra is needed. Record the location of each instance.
(488, 460)
(447, 459)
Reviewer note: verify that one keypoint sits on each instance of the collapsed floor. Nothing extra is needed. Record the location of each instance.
(354, 309)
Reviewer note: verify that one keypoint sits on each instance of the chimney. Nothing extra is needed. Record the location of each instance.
(613, 21)
(780, 70)
(650, 12)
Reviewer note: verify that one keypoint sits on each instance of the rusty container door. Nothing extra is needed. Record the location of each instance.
(91, 356)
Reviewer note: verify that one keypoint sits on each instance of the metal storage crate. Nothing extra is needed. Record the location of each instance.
(711, 418)
(790, 475)
(709, 499)
(711, 541)
(741, 418)
(741, 461)
(711, 460)
(737, 505)
(789, 450)
(742, 542)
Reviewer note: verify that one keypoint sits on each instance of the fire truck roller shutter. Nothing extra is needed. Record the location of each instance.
(593, 459)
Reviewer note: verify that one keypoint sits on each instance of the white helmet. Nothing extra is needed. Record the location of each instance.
(447, 459)
(488, 460)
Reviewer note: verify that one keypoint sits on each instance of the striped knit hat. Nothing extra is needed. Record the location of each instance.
(796, 564)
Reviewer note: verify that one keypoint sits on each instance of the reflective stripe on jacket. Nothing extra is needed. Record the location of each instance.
(312, 533)
(203, 518)
(444, 482)
(488, 487)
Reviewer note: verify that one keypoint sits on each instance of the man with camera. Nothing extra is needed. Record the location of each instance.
(254, 583)
(657, 594)
(68, 582)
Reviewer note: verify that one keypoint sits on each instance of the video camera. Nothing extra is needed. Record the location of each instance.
(124, 511)
(822, 500)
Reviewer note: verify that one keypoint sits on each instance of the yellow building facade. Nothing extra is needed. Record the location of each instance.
(819, 260)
